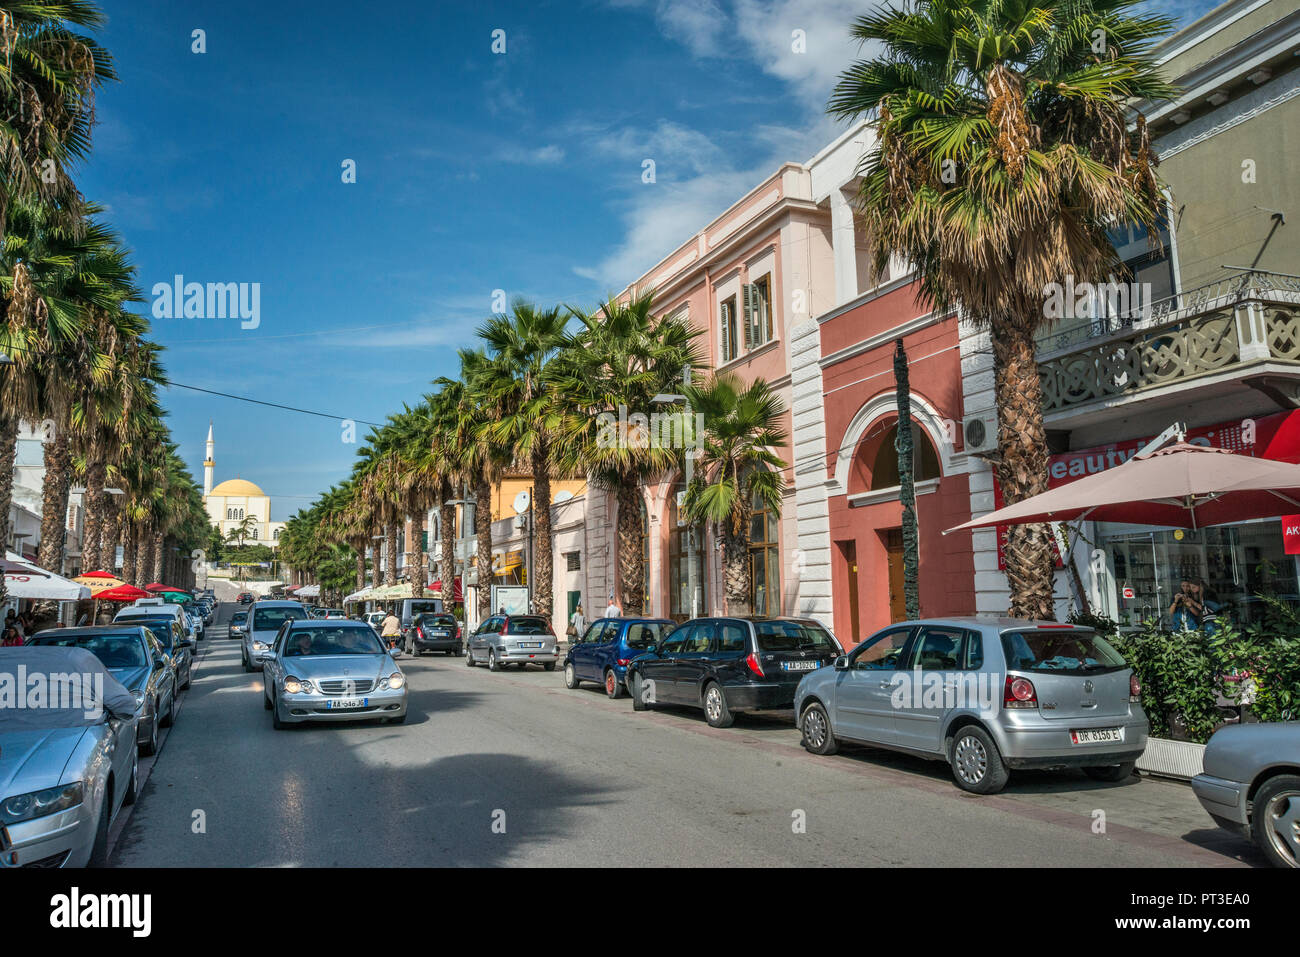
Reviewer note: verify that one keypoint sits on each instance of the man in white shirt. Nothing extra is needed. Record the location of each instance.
(613, 611)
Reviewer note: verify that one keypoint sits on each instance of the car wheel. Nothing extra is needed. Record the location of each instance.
(639, 702)
(398, 720)
(133, 786)
(1275, 821)
(570, 676)
(449, 652)
(189, 678)
(247, 666)
(275, 716)
(548, 665)
(816, 728)
(976, 762)
(492, 660)
(266, 700)
(170, 717)
(99, 850)
(1111, 772)
(716, 711)
(469, 657)
(613, 687)
(150, 747)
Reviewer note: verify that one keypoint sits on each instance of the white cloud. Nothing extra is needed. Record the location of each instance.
(547, 155)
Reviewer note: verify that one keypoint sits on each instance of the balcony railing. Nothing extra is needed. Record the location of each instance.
(1246, 317)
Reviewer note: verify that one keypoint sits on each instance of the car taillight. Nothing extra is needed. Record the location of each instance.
(1019, 693)
(1134, 688)
(419, 632)
(624, 662)
(754, 666)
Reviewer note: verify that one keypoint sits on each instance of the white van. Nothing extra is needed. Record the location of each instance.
(157, 607)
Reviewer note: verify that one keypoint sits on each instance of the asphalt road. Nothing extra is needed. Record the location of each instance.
(514, 769)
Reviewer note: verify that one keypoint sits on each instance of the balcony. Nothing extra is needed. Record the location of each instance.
(1237, 334)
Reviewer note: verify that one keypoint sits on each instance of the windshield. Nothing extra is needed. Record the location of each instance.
(239, 618)
(331, 641)
(162, 629)
(420, 607)
(428, 621)
(270, 619)
(1053, 650)
(643, 633)
(529, 626)
(114, 651)
(794, 636)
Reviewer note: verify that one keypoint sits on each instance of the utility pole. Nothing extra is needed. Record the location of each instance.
(906, 483)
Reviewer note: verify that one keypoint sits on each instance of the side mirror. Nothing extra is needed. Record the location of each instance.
(842, 663)
(157, 660)
(187, 643)
(652, 648)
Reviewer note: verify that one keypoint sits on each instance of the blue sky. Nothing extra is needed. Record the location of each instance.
(475, 171)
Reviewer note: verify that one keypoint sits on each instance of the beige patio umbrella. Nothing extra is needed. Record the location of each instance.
(1181, 486)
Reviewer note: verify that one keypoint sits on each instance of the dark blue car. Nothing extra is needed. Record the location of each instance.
(603, 652)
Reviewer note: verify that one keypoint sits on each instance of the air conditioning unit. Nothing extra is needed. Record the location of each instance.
(979, 433)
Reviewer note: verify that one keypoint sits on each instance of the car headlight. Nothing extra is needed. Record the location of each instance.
(260, 646)
(139, 696)
(294, 685)
(34, 804)
(393, 682)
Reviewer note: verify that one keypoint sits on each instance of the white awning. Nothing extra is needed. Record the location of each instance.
(25, 580)
(308, 591)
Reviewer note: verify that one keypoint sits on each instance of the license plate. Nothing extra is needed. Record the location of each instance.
(530, 644)
(1097, 735)
(439, 633)
(346, 704)
(800, 665)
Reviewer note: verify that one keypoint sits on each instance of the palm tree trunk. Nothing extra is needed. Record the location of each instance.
(631, 548)
(360, 547)
(158, 570)
(447, 550)
(54, 502)
(111, 538)
(1022, 465)
(736, 570)
(390, 547)
(128, 552)
(906, 486)
(543, 557)
(91, 546)
(483, 531)
(8, 452)
(420, 575)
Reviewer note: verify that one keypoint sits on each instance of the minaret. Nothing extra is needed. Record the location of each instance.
(208, 463)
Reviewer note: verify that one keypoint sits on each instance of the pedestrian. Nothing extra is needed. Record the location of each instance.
(577, 623)
(390, 630)
(612, 610)
(11, 637)
(1186, 610)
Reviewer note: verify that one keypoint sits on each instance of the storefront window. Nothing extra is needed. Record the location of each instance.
(1227, 567)
(679, 569)
(764, 560)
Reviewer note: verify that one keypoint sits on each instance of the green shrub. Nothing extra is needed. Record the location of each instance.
(1179, 673)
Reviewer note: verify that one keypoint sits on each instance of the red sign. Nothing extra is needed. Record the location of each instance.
(1129, 592)
(1291, 534)
(1275, 437)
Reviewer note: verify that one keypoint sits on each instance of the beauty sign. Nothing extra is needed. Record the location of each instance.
(1291, 534)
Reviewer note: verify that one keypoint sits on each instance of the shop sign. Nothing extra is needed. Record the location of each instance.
(1291, 534)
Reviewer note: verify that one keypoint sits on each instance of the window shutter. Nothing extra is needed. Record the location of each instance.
(726, 345)
(748, 292)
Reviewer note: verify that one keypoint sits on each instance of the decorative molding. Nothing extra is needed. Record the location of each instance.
(1256, 102)
(891, 494)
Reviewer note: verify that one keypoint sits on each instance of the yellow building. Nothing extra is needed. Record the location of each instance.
(237, 500)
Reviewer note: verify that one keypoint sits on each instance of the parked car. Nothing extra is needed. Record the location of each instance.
(154, 608)
(65, 772)
(434, 631)
(331, 671)
(264, 621)
(1251, 785)
(512, 639)
(238, 622)
(133, 657)
(175, 646)
(985, 695)
(409, 609)
(729, 665)
(603, 652)
(375, 618)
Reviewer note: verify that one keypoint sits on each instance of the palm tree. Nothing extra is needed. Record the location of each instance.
(1003, 156)
(524, 344)
(443, 464)
(49, 73)
(735, 465)
(622, 356)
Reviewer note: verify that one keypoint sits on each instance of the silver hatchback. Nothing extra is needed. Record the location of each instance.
(987, 695)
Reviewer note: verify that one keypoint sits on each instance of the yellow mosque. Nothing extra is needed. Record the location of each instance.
(236, 500)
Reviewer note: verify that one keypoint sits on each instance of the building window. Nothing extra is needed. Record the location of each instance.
(758, 313)
(679, 559)
(925, 461)
(573, 561)
(730, 348)
(764, 559)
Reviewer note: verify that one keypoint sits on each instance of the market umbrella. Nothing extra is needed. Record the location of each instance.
(122, 593)
(159, 588)
(25, 580)
(1181, 486)
(98, 582)
(435, 590)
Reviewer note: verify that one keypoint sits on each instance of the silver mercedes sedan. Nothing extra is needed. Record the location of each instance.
(67, 757)
(331, 670)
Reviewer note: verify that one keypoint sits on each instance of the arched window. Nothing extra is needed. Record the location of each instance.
(230, 513)
(764, 559)
(884, 465)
